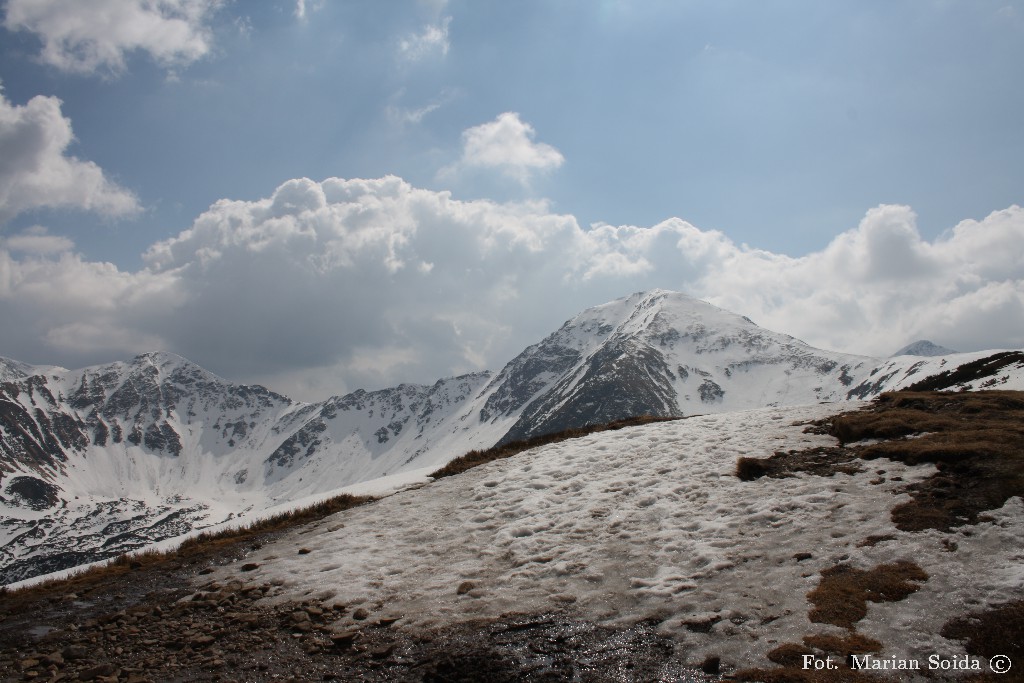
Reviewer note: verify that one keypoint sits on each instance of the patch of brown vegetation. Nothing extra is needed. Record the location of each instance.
(478, 457)
(851, 644)
(842, 595)
(790, 654)
(997, 631)
(833, 648)
(975, 440)
(820, 461)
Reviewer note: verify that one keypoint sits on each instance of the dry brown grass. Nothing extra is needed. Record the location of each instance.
(477, 457)
(277, 522)
(204, 544)
(821, 461)
(851, 644)
(790, 654)
(975, 440)
(900, 413)
(842, 595)
(997, 631)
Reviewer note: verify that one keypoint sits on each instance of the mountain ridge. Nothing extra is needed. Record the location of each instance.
(106, 459)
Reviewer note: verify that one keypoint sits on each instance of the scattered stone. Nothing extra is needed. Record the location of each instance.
(249, 566)
(344, 639)
(465, 587)
(95, 672)
(360, 614)
(382, 651)
(201, 641)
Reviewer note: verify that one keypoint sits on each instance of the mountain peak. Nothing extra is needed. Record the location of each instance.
(923, 347)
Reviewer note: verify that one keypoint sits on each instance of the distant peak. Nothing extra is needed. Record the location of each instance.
(161, 359)
(650, 296)
(923, 347)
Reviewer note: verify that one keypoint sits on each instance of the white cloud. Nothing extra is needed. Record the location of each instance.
(506, 144)
(87, 36)
(37, 240)
(432, 40)
(328, 286)
(35, 170)
(880, 285)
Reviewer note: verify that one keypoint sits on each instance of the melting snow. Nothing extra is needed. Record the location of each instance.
(650, 521)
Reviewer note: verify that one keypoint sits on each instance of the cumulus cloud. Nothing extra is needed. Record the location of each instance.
(327, 286)
(87, 36)
(880, 285)
(76, 311)
(35, 170)
(431, 41)
(507, 145)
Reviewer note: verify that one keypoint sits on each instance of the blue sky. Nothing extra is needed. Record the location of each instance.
(810, 164)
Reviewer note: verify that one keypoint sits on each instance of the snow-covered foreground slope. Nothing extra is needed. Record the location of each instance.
(651, 522)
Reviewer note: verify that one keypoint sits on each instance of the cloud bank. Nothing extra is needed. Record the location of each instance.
(36, 172)
(328, 286)
(88, 36)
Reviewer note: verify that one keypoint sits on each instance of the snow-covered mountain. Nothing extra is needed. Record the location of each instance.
(923, 347)
(662, 353)
(98, 461)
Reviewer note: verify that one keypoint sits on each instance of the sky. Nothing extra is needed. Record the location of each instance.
(324, 195)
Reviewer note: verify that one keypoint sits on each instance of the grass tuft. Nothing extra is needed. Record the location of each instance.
(842, 595)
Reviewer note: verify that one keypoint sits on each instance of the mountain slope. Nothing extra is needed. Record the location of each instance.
(105, 459)
(666, 354)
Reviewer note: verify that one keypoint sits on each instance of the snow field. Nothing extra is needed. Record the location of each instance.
(623, 525)
(649, 522)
